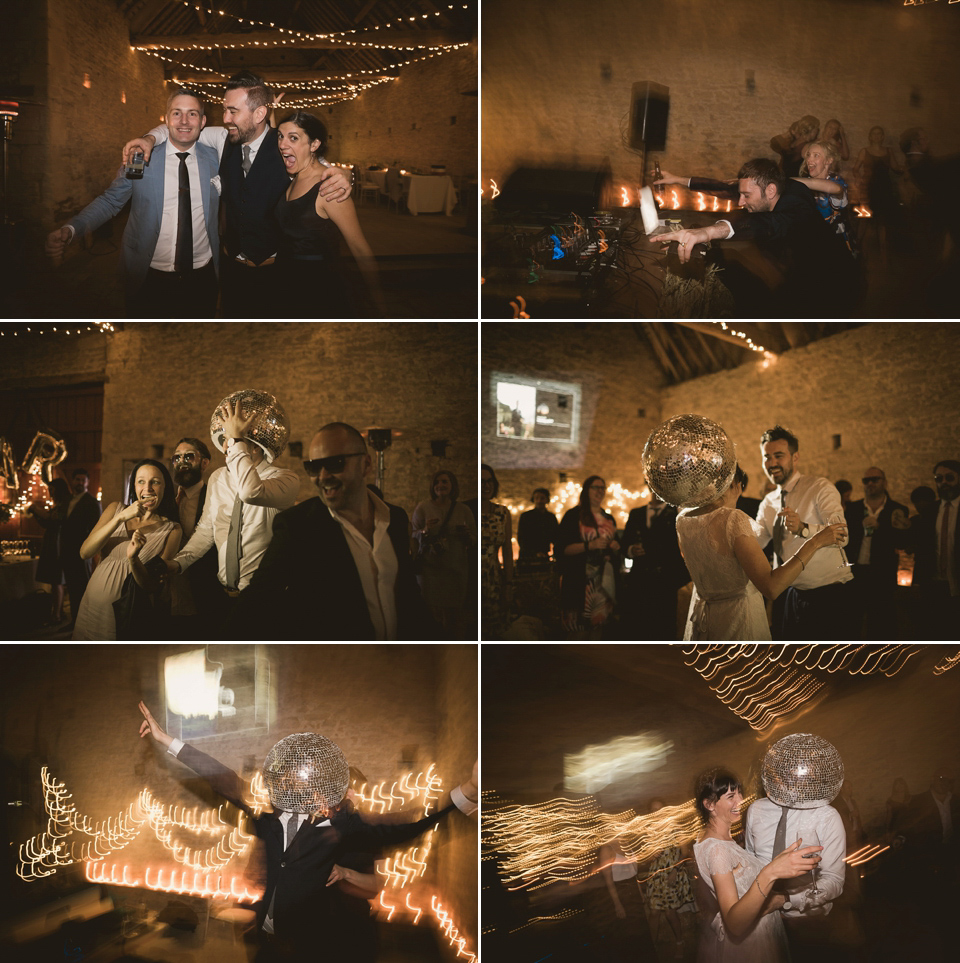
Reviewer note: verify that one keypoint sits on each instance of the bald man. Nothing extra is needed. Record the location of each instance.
(339, 566)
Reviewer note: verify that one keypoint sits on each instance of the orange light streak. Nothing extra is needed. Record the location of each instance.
(865, 854)
(701, 202)
(675, 199)
(624, 197)
(207, 885)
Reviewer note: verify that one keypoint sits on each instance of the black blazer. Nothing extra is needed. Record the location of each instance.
(661, 560)
(202, 576)
(886, 539)
(249, 202)
(306, 912)
(924, 532)
(308, 574)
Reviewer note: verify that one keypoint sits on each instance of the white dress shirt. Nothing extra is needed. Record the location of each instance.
(164, 254)
(264, 491)
(951, 542)
(377, 567)
(216, 137)
(825, 821)
(815, 500)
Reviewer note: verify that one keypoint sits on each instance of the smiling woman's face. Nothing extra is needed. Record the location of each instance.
(149, 486)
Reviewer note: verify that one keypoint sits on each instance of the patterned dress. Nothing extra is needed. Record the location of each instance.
(493, 536)
(663, 892)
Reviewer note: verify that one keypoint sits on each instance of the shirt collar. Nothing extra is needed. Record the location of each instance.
(791, 482)
(381, 511)
(192, 149)
(254, 145)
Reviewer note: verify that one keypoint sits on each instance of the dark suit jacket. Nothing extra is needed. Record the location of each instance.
(76, 527)
(202, 575)
(249, 202)
(306, 912)
(886, 539)
(661, 562)
(927, 563)
(308, 574)
(921, 826)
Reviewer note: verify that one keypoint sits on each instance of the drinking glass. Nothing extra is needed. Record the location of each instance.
(839, 519)
(812, 840)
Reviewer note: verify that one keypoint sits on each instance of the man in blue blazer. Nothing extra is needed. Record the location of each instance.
(170, 246)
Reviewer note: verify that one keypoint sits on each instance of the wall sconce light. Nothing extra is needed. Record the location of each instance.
(86, 81)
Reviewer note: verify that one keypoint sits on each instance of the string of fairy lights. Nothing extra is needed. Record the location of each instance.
(15, 330)
(220, 842)
(342, 87)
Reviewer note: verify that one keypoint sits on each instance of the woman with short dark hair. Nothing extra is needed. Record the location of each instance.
(744, 924)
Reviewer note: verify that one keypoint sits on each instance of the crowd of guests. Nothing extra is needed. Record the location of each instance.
(810, 214)
(233, 554)
(807, 562)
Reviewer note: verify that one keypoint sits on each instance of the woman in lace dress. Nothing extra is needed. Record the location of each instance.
(744, 925)
(730, 573)
(127, 537)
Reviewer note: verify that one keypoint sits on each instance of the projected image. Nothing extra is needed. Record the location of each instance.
(536, 410)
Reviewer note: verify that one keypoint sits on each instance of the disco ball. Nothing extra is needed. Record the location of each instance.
(305, 772)
(270, 428)
(689, 461)
(802, 771)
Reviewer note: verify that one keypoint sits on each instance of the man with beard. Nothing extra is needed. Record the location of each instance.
(817, 606)
(193, 590)
(82, 516)
(241, 501)
(938, 540)
(341, 563)
(253, 178)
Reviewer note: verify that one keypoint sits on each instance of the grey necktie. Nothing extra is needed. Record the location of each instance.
(780, 836)
(233, 545)
(246, 164)
(778, 529)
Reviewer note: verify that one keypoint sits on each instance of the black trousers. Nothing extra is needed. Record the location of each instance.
(248, 292)
(166, 294)
(819, 615)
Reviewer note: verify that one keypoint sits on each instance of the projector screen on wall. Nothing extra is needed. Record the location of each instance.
(534, 410)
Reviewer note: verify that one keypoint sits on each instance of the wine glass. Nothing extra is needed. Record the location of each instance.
(812, 840)
(838, 519)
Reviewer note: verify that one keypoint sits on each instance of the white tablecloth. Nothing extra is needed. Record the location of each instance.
(430, 193)
(377, 177)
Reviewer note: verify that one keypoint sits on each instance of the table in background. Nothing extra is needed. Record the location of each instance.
(430, 192)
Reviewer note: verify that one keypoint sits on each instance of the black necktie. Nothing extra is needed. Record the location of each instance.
(183, 259)
(778, 529)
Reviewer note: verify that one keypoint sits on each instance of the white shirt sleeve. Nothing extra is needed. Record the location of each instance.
(175, 746)
(278, 490)
(467, 806)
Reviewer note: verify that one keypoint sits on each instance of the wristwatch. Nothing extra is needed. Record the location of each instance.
(227, 442)
(804, 530)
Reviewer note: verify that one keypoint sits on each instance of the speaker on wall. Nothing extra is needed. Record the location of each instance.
(649, 109)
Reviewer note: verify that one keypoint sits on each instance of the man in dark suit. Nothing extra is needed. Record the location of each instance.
(302, 915)
(877, 527)
(937, 547)
(341, 562)
(253, 178)
(658, 571)
(804, 263)
(82, 515)
(170, 251)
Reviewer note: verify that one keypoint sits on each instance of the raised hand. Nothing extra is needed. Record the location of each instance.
(234, 422)
(138, 143)
(795, 860)
(152, 727)
(137, 541)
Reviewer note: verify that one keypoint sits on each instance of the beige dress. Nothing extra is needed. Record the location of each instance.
(95, 621)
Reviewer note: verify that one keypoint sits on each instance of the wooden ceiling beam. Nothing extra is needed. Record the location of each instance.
(269, 39)
(275, 78)
(654, 342)
(670, 346)
(715, 332)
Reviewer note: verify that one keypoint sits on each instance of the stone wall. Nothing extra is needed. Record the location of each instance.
(620, 384)
(67, 151)
(162, 381)
(557, 79)
(74, 709)
(409, 121)
(882, 387)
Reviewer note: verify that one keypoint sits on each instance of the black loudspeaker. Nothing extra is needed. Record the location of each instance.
(649, 109)
(544, 190)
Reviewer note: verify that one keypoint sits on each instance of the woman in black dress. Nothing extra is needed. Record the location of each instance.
(312, 228)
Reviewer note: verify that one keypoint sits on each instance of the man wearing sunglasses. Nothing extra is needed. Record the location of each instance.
(878, 526)
(341, 563)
